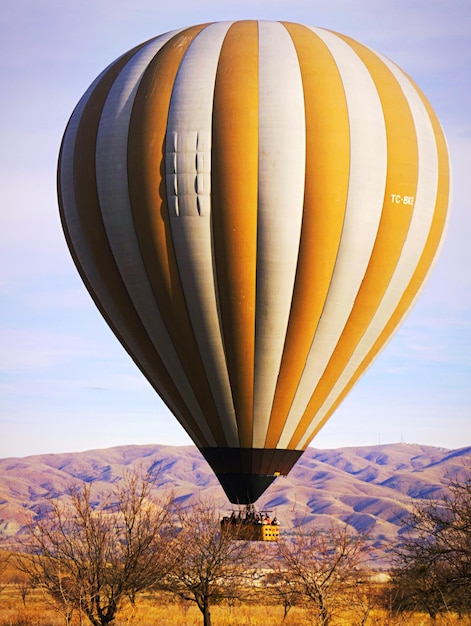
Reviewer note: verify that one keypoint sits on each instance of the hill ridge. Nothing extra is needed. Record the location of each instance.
(370, 486)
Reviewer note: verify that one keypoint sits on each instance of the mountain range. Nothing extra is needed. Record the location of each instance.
(371, 487)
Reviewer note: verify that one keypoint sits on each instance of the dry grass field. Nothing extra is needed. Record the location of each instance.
(37, 610)
(22, 606)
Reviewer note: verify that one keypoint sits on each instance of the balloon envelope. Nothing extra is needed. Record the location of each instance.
(254, 208)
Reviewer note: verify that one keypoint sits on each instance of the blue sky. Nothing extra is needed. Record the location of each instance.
(65, 382)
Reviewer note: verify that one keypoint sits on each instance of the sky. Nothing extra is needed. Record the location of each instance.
(66, 384)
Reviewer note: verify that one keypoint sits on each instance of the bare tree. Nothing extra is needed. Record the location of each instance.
(282, 589)
(322, 567)
(23, 584)
(433, 564)
(212, 562)
(95, 558)
(4, 560)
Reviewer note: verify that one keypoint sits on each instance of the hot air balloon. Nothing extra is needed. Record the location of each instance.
(254, 207)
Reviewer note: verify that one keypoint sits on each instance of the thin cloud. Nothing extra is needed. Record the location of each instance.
(30, 350)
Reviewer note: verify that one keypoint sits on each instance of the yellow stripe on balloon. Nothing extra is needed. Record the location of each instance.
(234, 186)
(402, 174)
(146, 175)
(424, 265)
(325, 195)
